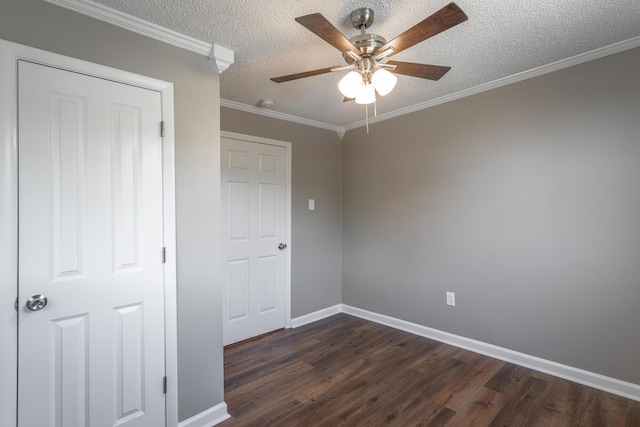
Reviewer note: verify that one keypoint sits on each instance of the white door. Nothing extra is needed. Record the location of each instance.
(254, 200)
(90, 241)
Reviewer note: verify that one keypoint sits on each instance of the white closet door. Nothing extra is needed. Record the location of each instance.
(90, 241)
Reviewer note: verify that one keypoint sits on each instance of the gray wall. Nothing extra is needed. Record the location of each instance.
(524, 201)
(196, 91)
(316, 235)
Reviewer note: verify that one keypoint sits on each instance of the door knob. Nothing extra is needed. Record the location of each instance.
(282, 246)
(37, 302)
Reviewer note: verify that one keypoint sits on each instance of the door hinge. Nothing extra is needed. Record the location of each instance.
(164, 385)
(16, 304)
(162, 128)
(164, 255)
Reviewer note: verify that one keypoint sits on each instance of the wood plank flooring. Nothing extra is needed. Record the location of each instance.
(345, 371)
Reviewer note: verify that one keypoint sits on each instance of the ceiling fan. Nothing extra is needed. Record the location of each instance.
(367, 55)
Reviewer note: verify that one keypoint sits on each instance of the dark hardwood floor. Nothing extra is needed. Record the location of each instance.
(345, 371)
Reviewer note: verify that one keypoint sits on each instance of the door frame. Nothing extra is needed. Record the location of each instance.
(10, 54)
(287, 146)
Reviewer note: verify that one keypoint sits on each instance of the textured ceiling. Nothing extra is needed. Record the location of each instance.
(500, 39)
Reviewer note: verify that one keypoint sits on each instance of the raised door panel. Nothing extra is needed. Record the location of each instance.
(237, 290)
(67, 180)
(238, 211)
(267, 211)
(69, 382)
(129, 362)
(267, 284)
(125, 186)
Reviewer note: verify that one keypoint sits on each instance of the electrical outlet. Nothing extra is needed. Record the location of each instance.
(451, 298)
(312, 204)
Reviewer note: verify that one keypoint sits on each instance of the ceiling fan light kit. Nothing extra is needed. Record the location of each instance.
(367, 94)
(350, 84)
(367, 54)
(383, 81)
(360, 87)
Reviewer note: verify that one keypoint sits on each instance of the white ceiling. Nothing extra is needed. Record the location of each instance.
(500, 39)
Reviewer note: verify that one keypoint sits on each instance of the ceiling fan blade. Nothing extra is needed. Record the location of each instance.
(447, 17)
(424, 71)
(296, 76)
(318, 24)
(345, 99)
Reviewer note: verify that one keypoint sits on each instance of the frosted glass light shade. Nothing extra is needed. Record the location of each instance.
(350, 84)
(383, 81)
(367, 94)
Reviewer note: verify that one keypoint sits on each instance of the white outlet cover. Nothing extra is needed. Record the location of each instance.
(451, 298)
(312, 204)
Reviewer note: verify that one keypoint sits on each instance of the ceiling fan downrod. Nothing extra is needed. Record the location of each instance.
(362, 18)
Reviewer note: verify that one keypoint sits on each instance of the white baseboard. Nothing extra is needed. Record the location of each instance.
(208, 418)
(316, 315)
(580, 376)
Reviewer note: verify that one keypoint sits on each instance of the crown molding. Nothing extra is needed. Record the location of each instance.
(140, 26)
(282, 116)
(535, 72)
(221, 57)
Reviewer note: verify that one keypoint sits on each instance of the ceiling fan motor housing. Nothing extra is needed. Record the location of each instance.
(368, 43)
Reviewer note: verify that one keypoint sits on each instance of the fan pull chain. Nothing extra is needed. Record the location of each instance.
(366, 117)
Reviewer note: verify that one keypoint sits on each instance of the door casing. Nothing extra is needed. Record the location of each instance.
(10, 53)
(287, 145)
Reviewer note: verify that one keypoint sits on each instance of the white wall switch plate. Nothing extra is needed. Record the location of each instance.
(451, 298)
(312, 204)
